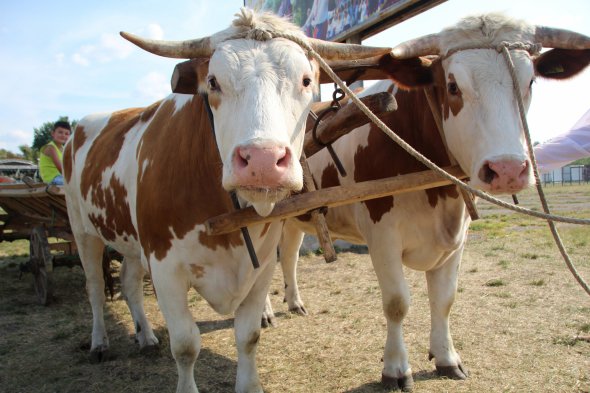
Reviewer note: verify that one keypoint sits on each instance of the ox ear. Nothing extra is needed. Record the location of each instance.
(561, 63)
(411, 73)
(188, 75)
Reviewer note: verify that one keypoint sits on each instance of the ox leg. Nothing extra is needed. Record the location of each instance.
(90, 249)
(395, 293)
(442, 286)
(247, 332)
(268, 314)
(172, 286)
(132, 274)
(289, 252)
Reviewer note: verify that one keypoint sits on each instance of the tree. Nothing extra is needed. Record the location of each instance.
(7, 154)
(28, 153)
(43, 134)
(582, 161)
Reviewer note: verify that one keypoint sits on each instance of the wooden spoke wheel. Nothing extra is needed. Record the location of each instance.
(41, 265)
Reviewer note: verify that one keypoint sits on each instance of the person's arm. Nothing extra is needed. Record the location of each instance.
(52, 153)
(565, 148)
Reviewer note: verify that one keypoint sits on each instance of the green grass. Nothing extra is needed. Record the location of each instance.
(495, 282)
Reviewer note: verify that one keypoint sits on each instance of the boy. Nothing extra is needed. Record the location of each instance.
(50, 166)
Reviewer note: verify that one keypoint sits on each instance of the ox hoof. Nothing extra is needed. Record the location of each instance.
(99, 355)
(267, 321)
(150, 350)
(299, 310)
(405, 383)
(452, 372)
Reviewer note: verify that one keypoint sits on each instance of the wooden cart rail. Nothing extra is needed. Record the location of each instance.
(29, 205)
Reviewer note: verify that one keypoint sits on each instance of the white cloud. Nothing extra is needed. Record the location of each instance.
(109, 47)
(154, 86)
(155, 31)
(80, 59)
(113, 46)
(59, 58)
(12, 139)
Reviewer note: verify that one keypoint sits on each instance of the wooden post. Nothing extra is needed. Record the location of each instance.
(318, 217)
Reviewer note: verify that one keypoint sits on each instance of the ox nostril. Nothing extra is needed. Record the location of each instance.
(242, 157)
(284, 158)
(487, 174)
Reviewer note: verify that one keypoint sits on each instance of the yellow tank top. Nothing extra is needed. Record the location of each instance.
(47, 168)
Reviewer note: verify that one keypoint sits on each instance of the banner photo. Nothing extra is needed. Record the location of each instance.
(328, 19)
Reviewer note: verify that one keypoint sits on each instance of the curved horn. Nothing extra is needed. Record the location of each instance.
(189, 49)
(551, 37)
(422, 46)
(338, 51)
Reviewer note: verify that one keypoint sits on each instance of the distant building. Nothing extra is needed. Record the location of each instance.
(17, 169)
(568, 174)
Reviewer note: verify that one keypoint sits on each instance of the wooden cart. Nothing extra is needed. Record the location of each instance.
(37, 212)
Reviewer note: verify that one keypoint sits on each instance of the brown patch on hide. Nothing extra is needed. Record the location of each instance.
(67, 162)
(434, 194)
(79, 138)
(252, 341)
(116, 220)
(330, 176)
(197, 271)
(396, 308)
(179, 180)
(382, 158)
(149, 112)
(104, 152)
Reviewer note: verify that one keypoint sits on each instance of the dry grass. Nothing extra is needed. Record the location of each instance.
(517, 323)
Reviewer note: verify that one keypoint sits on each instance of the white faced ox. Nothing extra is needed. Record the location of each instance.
(426, 230)
(144, 181)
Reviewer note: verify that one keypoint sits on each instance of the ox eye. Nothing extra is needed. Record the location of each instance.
(212, 84)
(306, 82)
(453, 88)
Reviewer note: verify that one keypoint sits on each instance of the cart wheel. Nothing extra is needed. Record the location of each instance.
(41, 264)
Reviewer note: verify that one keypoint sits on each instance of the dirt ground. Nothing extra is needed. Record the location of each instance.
(520, 322)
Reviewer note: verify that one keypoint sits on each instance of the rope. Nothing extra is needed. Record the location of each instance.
(503, 48)
(552, 227)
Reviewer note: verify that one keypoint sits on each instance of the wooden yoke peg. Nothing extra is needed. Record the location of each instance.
(317, 216)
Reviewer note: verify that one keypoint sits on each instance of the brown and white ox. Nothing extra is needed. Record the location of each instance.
(144, 181)
(426, 230)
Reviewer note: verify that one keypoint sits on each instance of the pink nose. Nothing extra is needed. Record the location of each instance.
(506, 175)
(266, 167)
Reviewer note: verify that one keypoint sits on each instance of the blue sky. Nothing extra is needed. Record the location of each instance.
(66, 57)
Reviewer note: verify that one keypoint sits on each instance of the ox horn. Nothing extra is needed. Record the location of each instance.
(421, 46)
(551, 37)
(339, 51)
(188, 49)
